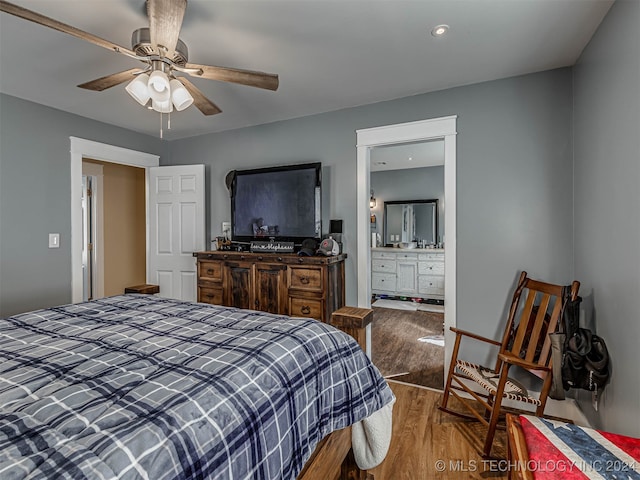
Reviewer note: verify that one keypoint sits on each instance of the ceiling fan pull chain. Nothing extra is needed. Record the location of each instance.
(169, 120)
(160, 124)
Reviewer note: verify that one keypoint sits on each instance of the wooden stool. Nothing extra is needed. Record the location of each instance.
(146, 288)
(354, 321)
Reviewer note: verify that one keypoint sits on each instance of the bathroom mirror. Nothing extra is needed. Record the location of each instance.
(411, 221)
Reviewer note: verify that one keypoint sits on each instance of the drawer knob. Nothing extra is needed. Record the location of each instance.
(260, 259)
(279, 259)
(305, 310)
(304, 280)
(210, 272)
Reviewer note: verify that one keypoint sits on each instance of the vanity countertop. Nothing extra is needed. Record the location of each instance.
(417, 250)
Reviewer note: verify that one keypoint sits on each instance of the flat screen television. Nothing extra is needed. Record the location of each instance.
(283, 203)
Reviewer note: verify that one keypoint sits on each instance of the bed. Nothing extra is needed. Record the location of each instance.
(543, 449)
(137, 386)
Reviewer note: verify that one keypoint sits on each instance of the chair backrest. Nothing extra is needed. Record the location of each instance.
(535, 311)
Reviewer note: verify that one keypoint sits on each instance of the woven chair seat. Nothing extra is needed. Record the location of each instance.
(488, 379)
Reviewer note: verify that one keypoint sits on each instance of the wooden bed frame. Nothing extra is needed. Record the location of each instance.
(517, 453)
(333, 458)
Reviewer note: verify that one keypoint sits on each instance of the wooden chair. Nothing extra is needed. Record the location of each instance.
(525, 344)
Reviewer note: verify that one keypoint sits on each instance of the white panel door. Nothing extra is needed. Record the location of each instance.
(176, 228)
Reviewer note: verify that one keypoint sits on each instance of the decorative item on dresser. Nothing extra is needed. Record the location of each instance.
(286, 284)
(408, 272)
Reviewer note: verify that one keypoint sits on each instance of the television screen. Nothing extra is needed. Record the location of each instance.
(278, 202)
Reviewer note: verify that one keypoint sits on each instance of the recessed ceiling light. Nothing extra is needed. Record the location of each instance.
(439, 30)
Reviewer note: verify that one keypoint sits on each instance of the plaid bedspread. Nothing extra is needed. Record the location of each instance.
(562, 451)
(138, 386)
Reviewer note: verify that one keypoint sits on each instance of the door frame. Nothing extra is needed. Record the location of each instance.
(442, 128)
(82, 148)
(96, 171)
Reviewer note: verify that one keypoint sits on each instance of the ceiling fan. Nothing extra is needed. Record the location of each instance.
(164, 54)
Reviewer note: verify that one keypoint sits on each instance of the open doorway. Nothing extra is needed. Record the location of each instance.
(114, 228)
(367, 139)
(83, 149)
(407, 262)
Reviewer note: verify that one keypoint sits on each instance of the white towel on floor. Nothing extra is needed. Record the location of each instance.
(370, 438)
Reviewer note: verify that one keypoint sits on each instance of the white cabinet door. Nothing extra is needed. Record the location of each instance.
(176, 228)
(407, 274)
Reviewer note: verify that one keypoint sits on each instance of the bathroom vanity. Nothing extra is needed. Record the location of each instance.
(410, 272)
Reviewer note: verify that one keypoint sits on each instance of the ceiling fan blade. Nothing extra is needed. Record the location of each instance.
(165, 21)
(205, 105)
(61, 27)
(102, 83)
(268, 81)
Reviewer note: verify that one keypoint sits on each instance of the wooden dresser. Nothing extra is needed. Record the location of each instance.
(286, 284)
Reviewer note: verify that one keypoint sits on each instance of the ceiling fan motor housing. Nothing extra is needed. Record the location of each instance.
(141, 45)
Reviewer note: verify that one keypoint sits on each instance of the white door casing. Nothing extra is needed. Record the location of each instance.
(435, 128)
(81, 148)
(176, 217)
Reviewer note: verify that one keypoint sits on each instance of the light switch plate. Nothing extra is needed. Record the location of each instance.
(54, 240)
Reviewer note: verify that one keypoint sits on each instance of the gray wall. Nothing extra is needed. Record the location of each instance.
(408, 184)
(514, 177)
(35, 199)
(607, 206)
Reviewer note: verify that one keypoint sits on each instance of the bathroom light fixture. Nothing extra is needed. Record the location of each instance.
(439, 30)
(372, 201)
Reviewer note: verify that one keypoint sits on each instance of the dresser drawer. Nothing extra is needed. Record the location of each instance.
(305, 278)
(383, 266)
(210, 270)
(305, 307)
(428, 284)
(431, 268)
(383, 254)
(383, 281)
(210, 295)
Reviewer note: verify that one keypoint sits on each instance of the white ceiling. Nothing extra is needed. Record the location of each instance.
(329, 54)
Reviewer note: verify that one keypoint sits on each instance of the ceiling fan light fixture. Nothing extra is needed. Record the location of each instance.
(138, 89)
(180, 96)
(159, 86)
(162, 107)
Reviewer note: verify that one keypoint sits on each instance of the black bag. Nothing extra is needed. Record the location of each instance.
(586, 362)
(580, 358)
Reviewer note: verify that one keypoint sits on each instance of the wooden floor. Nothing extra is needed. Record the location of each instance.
(429, 444)
(397, 351)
